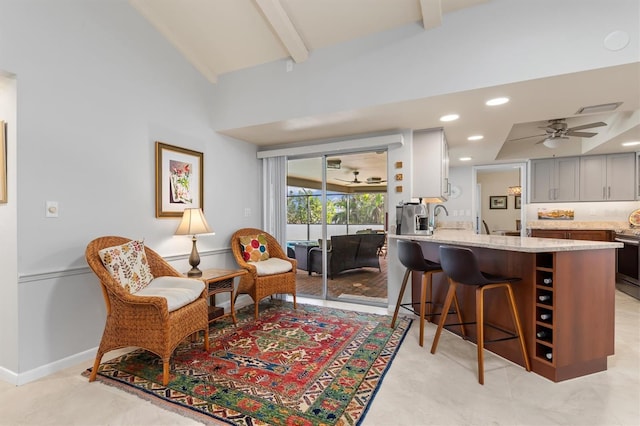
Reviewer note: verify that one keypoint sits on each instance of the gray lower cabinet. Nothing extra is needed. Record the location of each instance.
(607, 177)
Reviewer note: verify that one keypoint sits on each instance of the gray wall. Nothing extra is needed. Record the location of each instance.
(96, 87)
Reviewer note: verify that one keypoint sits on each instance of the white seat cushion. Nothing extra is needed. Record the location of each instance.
(178, 291)
(271, 266)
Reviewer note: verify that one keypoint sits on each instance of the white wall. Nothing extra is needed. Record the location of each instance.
(96, 87)
(499, 42)
(9, 235)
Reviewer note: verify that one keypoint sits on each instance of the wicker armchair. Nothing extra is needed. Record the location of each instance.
(259, 287)
(143, 321)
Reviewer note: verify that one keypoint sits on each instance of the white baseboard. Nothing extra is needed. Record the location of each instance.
(19, 379)
(8, 376)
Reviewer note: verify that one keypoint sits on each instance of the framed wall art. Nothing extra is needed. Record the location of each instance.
(179, 180)
(3, 162)
(517, 201)
(498, 202)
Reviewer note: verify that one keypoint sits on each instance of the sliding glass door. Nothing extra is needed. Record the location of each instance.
(336, 210)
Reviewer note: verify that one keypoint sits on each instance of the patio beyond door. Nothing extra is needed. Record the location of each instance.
(336, 226)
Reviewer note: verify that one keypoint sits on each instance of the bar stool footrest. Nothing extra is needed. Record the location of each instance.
(412, 310)
(510, 334)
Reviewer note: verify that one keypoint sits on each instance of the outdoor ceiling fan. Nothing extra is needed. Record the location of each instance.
(558, 130)
(355, 178)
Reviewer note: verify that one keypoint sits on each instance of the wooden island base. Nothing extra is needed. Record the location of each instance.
(576, 321)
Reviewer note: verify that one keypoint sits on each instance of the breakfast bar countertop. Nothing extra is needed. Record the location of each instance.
(509, 243)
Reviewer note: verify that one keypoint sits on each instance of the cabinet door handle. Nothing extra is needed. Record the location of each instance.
(609, 192)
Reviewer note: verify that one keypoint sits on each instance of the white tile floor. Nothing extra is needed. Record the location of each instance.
(419, 389)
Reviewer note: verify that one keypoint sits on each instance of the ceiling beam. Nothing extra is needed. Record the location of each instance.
(431, 13)
(283, 27)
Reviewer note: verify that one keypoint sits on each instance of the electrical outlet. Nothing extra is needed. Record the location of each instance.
(247, 212)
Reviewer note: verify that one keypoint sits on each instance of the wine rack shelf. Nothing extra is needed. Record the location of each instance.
(544, 308)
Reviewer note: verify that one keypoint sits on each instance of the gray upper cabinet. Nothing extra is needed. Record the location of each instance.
(430, 169)
(607, 177)
(555, 179)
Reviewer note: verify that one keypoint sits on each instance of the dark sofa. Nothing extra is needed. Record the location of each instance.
(347, 252)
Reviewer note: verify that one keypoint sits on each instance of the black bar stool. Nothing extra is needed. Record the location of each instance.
(410, 255)
(461, 266)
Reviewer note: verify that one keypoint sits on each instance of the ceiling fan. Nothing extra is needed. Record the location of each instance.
(558, 130)
(355, 178)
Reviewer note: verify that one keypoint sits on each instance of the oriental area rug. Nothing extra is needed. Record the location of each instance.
(306, 366)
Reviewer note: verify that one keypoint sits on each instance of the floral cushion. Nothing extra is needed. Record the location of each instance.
(128, 265)
(254, 248)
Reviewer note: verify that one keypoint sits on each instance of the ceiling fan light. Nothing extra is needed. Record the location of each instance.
(551, 142)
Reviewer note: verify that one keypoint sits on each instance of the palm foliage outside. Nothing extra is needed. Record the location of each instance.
(305, 207)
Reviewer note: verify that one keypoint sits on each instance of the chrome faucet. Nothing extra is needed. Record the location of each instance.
(434, 213)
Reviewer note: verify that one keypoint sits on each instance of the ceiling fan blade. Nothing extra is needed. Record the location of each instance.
(527, 137)
(587, 126)
(582, 134)
(541, 140)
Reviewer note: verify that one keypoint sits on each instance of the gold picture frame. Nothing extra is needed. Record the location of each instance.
(179, 180)
(3, 162)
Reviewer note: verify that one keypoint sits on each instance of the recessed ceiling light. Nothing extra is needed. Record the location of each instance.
(497, 101)
(464, 158)
(631, 143)
(475, 138)
(449, 117)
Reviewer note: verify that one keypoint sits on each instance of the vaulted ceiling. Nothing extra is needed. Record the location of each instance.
(223, 36)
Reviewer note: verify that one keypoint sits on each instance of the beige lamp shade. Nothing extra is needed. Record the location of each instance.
(193, 223)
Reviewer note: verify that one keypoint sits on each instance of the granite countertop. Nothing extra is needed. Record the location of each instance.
(499, 242)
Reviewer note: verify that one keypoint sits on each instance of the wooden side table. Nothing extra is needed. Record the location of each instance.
(220, 281)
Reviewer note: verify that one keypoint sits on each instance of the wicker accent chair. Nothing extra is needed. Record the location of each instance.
(144, 321)
(261, 286)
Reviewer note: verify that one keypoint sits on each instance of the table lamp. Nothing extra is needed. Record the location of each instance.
(193, 223)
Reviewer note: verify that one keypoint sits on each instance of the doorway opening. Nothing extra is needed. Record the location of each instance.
(499, 199)
(336, 226)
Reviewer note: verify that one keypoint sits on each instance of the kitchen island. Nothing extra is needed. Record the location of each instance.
(568, 334)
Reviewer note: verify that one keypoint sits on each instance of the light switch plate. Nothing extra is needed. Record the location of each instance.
(51, 209)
